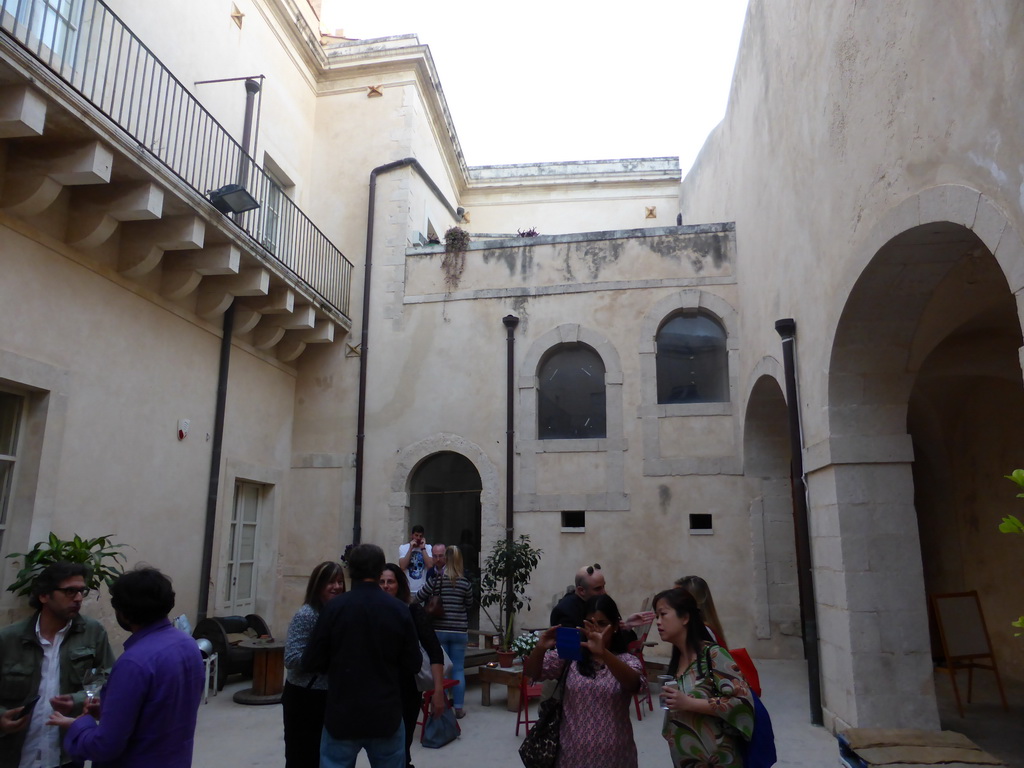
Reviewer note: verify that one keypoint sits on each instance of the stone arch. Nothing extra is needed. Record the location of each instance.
(492, 521)
(565, 334)
(692, 299)
(935, 270)
(766, 454)
(609, 451)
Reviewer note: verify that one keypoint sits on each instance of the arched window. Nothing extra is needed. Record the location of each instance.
(570, 394)
(692, 360)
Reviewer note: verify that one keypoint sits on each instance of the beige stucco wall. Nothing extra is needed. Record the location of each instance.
(847, 125)
(127, 366)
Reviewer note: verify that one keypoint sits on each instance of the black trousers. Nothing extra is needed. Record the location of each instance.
(412, 700)
(303, 723)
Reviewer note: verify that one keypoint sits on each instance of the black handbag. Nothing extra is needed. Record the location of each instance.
(540, 747)
(435, 604)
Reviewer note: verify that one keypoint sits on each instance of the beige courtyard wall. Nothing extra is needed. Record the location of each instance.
(210, 46)
(437, 382)
(126, 366)
(848, 124)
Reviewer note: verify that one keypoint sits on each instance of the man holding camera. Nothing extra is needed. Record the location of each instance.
(415, 559)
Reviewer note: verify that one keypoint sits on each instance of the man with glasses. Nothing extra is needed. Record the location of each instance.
(46, 656)
(571, 609)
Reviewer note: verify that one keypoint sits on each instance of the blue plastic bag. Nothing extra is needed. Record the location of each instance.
(759, 752)
(440, 730)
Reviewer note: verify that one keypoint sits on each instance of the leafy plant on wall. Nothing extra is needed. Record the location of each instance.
(456, 240)
(1011, 524)
(99, 554)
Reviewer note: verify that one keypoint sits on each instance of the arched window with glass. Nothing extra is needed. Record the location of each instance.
(571, 394)
(692, 360)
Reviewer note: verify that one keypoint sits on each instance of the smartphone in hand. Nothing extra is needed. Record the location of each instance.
(27, 708)
(567, 643)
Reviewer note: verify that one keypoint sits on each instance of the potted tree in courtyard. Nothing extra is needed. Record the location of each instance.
(503, 581)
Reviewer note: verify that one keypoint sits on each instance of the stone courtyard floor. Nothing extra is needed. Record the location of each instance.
(231, 735)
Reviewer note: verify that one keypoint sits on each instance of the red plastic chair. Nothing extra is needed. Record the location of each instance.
(425, 709)
(527, 690)
(637, 649)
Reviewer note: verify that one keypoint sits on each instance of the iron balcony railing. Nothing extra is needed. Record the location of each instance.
(91, 49)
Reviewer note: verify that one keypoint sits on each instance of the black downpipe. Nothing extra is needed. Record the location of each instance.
(364, 344)
(510, 322)
(808, 614)
(215, 454)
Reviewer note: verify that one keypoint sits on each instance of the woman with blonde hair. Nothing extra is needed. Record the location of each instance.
(456, 593)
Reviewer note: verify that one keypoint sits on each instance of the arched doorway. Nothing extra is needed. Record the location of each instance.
(444, 497)
(923, 358)
(766, 464)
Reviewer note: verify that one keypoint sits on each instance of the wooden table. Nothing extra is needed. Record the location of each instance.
(267, 672)
(509, 676)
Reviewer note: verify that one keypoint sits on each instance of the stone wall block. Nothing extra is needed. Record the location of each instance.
(865, 483)
(989, 223)
(954, 203)
(1010, 255)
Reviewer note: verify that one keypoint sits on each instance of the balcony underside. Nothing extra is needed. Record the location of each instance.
(69, 173)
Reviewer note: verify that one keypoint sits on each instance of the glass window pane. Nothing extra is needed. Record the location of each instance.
(250, 502)
(227, 583)
(247, 550)
(570, 395)
(10, 416)
(693, 365)
(6, 474)
(244, 589)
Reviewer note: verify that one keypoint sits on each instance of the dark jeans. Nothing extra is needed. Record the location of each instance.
(303, 724)
(412, 700)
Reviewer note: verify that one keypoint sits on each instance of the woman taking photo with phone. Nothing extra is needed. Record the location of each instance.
(710, 709)
(596, 731)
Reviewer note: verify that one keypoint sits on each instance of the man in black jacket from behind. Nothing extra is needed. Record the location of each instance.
(365, 642)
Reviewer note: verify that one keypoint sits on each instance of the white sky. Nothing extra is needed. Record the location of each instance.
(535, 81)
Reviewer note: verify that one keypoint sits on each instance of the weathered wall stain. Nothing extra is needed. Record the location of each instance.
(664, 498)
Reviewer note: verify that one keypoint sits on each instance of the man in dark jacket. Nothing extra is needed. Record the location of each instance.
(46, 655)
(569, 612)
(365, 642)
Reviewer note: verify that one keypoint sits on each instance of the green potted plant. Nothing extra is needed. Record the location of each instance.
(503, 582)
(99, 554)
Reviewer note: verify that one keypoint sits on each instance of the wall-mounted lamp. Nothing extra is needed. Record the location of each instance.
(232, 198)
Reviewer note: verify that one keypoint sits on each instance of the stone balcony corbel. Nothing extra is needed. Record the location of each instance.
(37, 173)
(216, 293)
(22, 112)
(184, 270)
(143, 243)
(96, 214)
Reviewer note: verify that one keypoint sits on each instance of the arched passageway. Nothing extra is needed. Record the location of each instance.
(924, 355)
(766, 462)
(444, 497)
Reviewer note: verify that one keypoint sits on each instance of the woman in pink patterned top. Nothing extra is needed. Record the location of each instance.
(596, 731)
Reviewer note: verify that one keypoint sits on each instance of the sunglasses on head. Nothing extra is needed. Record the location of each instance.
(592, 568)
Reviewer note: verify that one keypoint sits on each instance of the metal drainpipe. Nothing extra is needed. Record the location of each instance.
(510, 322)
(364, 348)
(808, 614)
(251, 89)
(215, 454)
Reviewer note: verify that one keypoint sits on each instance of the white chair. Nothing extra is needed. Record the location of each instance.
(210, 667)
